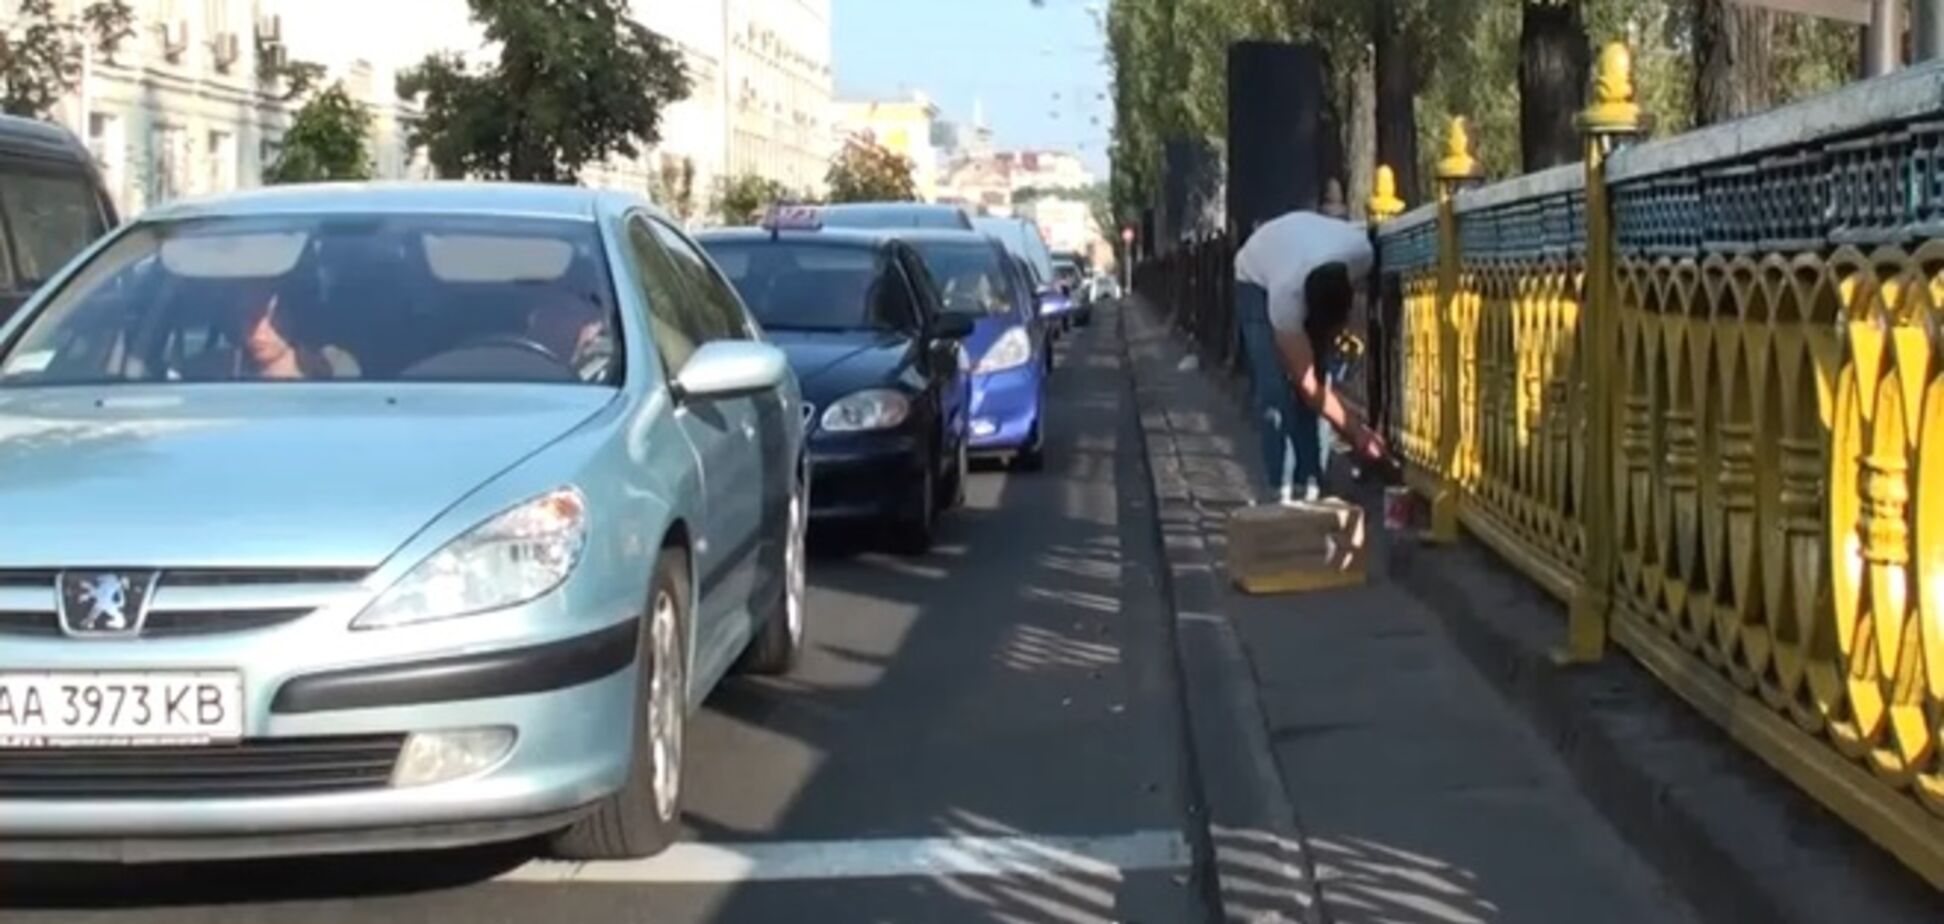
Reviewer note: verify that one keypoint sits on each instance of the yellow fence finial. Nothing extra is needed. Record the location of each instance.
(1458, 163)
(1613, 109)
(1384, 203)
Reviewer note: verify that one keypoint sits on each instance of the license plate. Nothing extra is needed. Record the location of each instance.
(119, 710)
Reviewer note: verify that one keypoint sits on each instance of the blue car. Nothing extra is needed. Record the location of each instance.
(882, 365)
(352, 519)
(1012, 358)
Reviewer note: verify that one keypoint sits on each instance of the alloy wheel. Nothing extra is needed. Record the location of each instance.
(795, 570)
(665, 705)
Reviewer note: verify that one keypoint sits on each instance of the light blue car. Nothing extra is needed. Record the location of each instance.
(348, 518)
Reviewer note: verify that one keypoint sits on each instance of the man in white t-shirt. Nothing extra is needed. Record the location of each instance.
(1296, 278)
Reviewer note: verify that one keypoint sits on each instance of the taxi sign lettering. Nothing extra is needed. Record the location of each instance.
(793, 218)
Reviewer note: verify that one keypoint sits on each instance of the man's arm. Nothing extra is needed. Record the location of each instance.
(1299, 363)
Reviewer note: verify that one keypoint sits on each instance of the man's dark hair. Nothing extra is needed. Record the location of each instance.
(1327, 294)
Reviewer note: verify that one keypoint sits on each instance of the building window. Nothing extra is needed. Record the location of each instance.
(108, 142)
(171, 162)
(221, 156)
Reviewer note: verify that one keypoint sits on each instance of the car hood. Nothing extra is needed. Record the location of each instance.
(831, 365)
(255, 475)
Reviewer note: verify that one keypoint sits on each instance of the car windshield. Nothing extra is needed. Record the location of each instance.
(971, 278)
(330, 298)
(803, 285)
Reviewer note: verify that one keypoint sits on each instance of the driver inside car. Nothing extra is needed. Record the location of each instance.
(575, 331)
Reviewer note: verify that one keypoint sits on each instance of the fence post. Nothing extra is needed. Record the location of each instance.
(1383, 206)
(1611, 120)
(1456, 171)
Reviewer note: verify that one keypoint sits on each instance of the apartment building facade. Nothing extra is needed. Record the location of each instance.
(779, 84)
(186, 106)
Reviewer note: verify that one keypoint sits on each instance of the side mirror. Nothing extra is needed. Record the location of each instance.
(952, 326)
(729, 369)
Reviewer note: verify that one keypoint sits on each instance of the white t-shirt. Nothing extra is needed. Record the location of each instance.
(1281, 253)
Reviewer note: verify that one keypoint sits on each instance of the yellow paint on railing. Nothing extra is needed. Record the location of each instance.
(1732, 465)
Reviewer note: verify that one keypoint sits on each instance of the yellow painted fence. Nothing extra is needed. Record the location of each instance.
(1695, 388)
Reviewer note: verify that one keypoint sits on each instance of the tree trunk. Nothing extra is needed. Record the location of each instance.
(1731, 60)
(1554, 65)
(1397, 83)
(1360, 142)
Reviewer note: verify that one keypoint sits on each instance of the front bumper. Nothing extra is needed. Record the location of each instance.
(564, 694)
(864, 476)
(1006, 408)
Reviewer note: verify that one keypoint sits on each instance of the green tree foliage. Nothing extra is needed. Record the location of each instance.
(1169, 63)
(40, 57)
(1169, 59)
(326, 141)
(865, 171)
(741, 200)
(576, 82)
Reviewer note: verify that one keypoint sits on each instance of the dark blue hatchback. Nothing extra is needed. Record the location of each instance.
(881, 363)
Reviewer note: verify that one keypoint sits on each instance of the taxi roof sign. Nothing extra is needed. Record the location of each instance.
(793, 218)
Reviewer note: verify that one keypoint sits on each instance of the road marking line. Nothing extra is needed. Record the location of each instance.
(1105, 857)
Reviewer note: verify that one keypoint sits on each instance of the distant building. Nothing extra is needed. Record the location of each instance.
(779, 89)
(182, 108)
(904, 127)
(980, 183)
(187, 105)
(1067, 224)
(1045, 170)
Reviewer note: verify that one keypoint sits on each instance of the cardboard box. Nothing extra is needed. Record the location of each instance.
(1289, 548)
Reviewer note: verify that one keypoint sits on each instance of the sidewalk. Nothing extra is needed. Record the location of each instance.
(1415, 791)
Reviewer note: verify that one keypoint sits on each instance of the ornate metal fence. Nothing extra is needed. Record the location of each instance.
(1695, 388)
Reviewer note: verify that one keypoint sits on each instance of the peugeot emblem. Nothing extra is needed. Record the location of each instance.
(104, 604)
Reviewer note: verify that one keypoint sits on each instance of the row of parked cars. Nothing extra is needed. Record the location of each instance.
(920, 342)
(354, 518)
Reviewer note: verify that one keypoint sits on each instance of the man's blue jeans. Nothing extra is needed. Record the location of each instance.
(1293, 438)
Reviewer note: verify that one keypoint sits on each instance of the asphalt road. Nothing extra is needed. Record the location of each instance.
(990, 733)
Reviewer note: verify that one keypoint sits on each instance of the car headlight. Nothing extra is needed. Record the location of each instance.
(875, 409)
(510, 559)
(1012, 350)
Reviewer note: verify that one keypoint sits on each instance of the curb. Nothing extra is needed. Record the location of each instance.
(1262, 871)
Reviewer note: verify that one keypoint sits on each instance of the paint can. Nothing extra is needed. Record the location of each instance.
(1403, 512)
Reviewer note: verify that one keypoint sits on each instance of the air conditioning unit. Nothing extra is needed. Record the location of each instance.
(225, 49)
(269, 30)
(175, 39)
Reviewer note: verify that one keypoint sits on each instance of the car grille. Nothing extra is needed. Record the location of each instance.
(188, 602)
(261, 767)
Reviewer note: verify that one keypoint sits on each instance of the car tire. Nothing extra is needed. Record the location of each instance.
(1032, 457)
(952, 491)
(644, 816)
(918, 529)
(778, 644)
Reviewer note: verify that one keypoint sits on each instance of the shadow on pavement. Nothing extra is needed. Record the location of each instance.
(81, 886)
